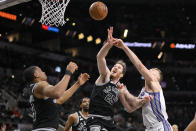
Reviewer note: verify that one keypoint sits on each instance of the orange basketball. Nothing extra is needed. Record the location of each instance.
(98, 10)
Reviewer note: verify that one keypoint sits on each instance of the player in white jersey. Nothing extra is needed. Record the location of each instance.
(154, 112)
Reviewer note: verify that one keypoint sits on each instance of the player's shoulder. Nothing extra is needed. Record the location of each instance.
(42, 84)
(73, 116)
(39, 87)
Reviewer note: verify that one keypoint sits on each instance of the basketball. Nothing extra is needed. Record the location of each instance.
(98, 10)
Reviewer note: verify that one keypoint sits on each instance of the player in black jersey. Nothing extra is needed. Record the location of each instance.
(105, 93)
(77, 121)
(45, 97)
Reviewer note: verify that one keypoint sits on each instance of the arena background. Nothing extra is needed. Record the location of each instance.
(161, 32)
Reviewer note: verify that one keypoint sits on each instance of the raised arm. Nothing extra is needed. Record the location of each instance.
(135, 60)
(101, 62)
(148, 76)
(130, 102)
(70, 121)
(126, 105)
(44, 89)
(67, 94)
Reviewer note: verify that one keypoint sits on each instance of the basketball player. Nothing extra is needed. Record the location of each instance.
(192, 125)
(77, 121)
(154, 112)
(105, 93)
(45, 97)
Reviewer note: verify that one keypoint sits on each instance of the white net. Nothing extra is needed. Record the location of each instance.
(53, 12)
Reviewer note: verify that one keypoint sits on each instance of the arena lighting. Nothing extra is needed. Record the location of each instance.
(58, 69)
(185, 46)
(138, 44)
(125, 33)
(80, 36)
(154, 45)
(28, 21)
(142, 77)
(160, 55)
(89, 38)
(67, 19)
(8, 16)
(182, 46)
(97, 41)
(49, 28)
(12, 76)
(73, 24)
(67, 32)
(162, 45)
(172, 45)
(74, 34)
(10, 38)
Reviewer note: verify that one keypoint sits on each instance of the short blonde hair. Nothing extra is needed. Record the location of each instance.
(160, 74)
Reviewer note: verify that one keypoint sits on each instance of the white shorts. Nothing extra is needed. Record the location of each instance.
(161, 126)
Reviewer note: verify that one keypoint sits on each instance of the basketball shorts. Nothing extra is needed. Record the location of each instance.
(99, 124)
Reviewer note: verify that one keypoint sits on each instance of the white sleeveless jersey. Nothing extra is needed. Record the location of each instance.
(154, 111)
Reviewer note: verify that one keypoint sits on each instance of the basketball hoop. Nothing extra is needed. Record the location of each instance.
(53, 12)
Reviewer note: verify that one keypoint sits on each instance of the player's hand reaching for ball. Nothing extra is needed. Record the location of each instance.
(110, 38)
(146, 99)
(83, 78)
(72, 67)
(119, 43)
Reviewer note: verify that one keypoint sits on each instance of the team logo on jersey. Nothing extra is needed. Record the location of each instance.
(111, 94)
(81, 126)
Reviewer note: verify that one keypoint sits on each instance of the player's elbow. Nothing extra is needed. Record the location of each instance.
(98, 56)
(59, 101)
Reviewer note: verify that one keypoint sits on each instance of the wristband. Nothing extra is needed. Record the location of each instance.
(67, 72)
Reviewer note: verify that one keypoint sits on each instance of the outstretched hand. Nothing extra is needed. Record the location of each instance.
(121, 87)
(110, 38)
(83, 78)
(72, 67)
(146, 99)
(119, 43)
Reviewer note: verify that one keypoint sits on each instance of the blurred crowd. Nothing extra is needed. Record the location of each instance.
(16, 111)
(15, 108)
(169, 23)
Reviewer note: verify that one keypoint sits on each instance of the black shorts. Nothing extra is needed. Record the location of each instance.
(99, 124)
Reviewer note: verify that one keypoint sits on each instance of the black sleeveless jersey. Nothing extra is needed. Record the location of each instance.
(103, 98)
(45, 111)
(81, 123)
